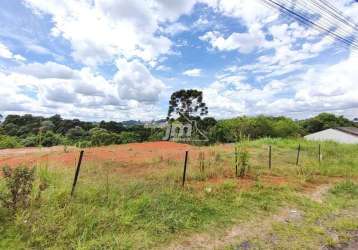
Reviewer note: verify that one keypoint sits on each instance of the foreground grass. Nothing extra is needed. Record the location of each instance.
(110, 211)
(328, 225)
(137, 215)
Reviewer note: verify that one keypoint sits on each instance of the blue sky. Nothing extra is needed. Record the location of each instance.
(120, 60)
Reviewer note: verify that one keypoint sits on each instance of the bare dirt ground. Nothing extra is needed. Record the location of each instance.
(128, 153)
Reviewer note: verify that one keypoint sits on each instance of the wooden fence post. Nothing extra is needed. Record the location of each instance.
(298, 154)
(236, 161)
(185, 163)
(77, 172)
(270, 158)
(319, 153)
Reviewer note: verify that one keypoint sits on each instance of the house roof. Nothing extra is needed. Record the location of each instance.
(349, 130)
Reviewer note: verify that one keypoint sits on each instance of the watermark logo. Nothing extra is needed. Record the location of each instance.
(184, 132)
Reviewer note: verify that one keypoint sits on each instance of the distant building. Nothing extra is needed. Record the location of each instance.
(340, 134)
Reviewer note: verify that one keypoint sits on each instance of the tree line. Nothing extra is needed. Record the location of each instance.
(29, 131)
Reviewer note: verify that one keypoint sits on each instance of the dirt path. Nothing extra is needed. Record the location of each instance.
(319, 193)
(235, 234)
(245, 231)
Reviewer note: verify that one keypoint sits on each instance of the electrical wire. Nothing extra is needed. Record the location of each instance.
(345, 37)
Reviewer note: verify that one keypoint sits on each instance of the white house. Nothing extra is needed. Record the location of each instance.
(340, 134)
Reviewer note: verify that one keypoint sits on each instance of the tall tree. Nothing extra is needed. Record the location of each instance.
(187, 103)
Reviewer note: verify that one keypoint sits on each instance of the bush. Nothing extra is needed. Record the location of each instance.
(84, 144)
(102, 137)
(9, 142)
(231, 130)
(242, 158)
(19, 186)
(128, 137)
(50, 139)
(30, 141)
(76, 133)
(285, 128)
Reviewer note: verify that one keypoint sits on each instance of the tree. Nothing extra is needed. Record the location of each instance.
(325, 121)
(47, 126)
(49, 139)
(112, 126)
(285, 127)
(76, 133)
(187, 103)
(207, 123)
(101, 137)
(128, 137)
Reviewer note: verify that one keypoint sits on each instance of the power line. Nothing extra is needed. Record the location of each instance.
(331, 16)
(338, 14)
(306, 20)
(323, 12)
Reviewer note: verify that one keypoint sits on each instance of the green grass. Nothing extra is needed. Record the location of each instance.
(134, 215)
(322, 224)
(110, 211)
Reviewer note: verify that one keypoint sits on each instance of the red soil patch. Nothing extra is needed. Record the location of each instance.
(134, 153)
(274, 180)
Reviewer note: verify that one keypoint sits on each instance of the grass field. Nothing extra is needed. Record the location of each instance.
(130, 197)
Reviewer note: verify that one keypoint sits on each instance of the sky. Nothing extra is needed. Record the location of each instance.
(120, 60)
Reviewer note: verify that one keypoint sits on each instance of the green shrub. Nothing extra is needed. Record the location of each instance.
(50, 139)
(128, 137)
(76, 133)
(102, 137)
(84, 144)
(9, 142)
(242, 158)
(19, 186)
(30, 141)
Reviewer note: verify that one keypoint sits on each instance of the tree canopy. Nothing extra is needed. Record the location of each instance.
(187, 103)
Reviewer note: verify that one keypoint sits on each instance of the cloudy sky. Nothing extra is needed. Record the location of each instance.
(121, 60)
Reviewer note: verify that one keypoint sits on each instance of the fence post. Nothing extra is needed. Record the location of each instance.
(236, 161)
(77, 172)
(170, 131)
(270, 158)
(298, 154)
(185, 163)
(201, 162)
(319, 153)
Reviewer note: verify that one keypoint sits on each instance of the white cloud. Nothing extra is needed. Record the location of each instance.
(47, 70)
(83, 93)
(192, 72)
(163, 68)
(243, 42)
(251, 12)
(103, 30)
(319, 89)
(175, 28)
(135, 82)
(37, 49)
(7, 54)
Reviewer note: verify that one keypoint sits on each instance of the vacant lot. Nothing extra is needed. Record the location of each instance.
(131, 197)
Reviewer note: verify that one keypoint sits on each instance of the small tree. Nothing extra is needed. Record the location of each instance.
(19, 186)
(187, 103)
